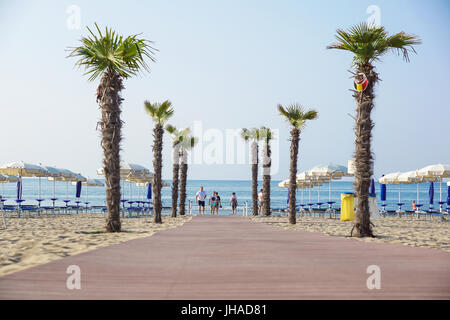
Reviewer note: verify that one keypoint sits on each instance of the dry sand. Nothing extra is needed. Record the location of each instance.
(32, 241)
(405, 230)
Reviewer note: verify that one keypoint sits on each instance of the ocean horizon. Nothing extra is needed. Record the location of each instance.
(96, 195)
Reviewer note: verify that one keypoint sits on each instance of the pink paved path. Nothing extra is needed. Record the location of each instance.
(229, 257)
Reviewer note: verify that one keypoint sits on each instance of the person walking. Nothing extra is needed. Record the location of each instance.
(261, 201)
(218, 203)
(200, 198)
(233, 203)
(213, 202)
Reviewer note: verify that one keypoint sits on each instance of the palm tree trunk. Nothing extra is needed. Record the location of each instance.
(158, 132)
(183, 180)
(295, 136)
(266, 178)
(254, 156)
(363, 154)
(175, 172)
(110, 100)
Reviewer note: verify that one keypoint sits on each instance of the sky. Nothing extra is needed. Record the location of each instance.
(224, 65)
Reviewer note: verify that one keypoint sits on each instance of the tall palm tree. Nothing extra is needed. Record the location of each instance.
(187, 144)
(368, 43)
(266, 137)
(112, 58)
(253, 135)
(177, 136)
(160, 113)
(296, 116)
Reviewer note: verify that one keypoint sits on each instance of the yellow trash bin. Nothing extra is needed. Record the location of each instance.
(347, 207)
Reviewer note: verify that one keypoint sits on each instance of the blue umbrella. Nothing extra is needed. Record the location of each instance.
(149, 191)
(19, 190)
(372, 187)
(78, 189)
(383, 192)
(448, 196)
(431, 194)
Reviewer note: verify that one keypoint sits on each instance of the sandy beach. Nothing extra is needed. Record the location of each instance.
(28, 242)
(406, 230)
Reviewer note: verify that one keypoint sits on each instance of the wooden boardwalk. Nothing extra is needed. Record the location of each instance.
(232, 257)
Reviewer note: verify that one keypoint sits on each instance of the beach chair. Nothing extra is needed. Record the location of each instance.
(330, 209)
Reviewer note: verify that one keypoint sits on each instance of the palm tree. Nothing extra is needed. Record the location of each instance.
(112, 58)
(266, 136)
(368, 43)
(187, 144)
(177, 137)
(296, 116)
(254, 135)
(160, 113)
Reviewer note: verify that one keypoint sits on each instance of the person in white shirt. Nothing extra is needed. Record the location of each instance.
(200, 198)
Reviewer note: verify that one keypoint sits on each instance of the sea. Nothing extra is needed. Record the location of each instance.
(96, 195)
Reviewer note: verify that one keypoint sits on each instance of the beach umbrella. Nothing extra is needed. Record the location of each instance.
(372, 187)
(22, 169)
(19, 189)
(78, 189)
(330, 172)
(383, 194)
(448, 193)
(392, 178)
(149, 191)
(89, 183)
(431, 195)
(439, 171)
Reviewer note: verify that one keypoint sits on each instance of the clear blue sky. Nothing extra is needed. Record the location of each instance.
(228, 64)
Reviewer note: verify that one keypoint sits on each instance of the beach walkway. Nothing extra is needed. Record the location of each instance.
(232, 257)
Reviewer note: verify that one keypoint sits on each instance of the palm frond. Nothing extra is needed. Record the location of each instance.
(296, 115)
(160, 112)
(369, 43)
(109, 51)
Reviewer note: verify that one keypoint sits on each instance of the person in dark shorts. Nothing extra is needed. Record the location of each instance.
(233, 202)
(218, 202)
(200, 198)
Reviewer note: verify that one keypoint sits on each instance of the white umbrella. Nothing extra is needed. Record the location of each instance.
(438, 171)
(331, 172)
(22, 169)
(392, 178)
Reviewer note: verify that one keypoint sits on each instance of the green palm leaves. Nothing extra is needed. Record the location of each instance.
(296, 115)
(251, 134)
(109, 51)
(160, 112)
(369, 42)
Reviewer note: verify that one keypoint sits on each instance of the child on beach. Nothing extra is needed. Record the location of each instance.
(414, 206)
(233, 202)
(213, 202)
(260, 200)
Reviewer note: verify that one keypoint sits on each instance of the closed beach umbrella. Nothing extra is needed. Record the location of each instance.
(448, 193)
(19, 190)
(431, 194)
(149, 191)
(372, 187)
(78, 189)
(383, 192)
